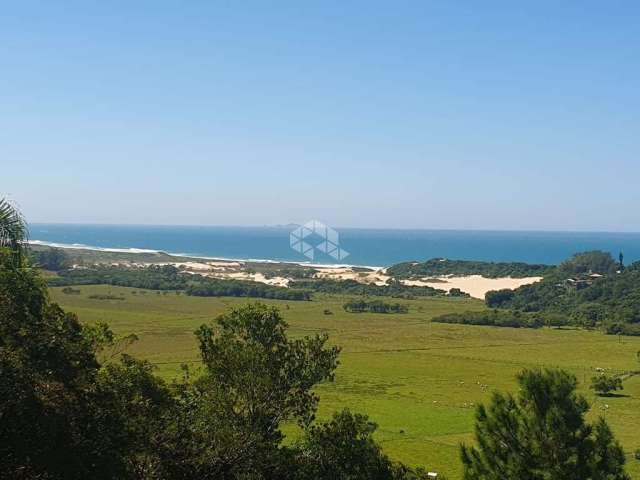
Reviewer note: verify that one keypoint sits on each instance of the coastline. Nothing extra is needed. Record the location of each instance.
(274, 272)
(79, 246)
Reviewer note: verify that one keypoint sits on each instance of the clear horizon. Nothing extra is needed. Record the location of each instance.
(286, 225)
(423, 115)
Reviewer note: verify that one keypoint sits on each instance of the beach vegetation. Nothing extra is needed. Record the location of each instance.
(168, 277)
(442, 267)
(392, 288)
(212, 287)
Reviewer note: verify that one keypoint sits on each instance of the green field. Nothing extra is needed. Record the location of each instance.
(419, 381)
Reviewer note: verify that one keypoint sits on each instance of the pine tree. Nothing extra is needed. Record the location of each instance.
(541, 434)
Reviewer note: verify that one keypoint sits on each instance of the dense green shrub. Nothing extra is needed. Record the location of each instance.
(617, 328)
(442, 266)
(153, 277)
(353, 287)
(456, 292)
(240, 288)
(594, 261)
(495, 318)
(54, 259)
(374, 306)
(168, 277)
(606, 384)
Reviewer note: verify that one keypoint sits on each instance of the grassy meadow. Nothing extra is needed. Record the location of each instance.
(419, 381)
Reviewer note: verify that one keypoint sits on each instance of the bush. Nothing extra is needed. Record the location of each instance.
(618, 328)
(456, 292)
(154, 277)
(590, 262)
(497, 298)
(604, 385)
(494, 318)
(442, 266)
(99, 296)
(353, 287)
(240, 288)
(71, 291)
(54, 259)
(374, 306)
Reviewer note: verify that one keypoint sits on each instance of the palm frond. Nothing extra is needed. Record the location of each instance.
(13, 228)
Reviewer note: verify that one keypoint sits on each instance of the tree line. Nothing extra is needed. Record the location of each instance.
(392, 288)
(374, 306)
(441, 266)
(493, 318)
(168, 277)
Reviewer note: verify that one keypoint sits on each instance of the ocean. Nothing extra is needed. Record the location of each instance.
(365, 247)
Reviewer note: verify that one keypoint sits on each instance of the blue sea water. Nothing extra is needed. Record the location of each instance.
(373, 247)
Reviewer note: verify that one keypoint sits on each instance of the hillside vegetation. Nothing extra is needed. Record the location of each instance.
(587, 290)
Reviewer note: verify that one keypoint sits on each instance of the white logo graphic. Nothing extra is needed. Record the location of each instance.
(329, 242)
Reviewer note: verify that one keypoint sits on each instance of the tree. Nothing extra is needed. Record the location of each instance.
(255, 378)
(605, 384)
(344, 448)
(589, 262)
(541, 434)
(13, 230)
(53, 259)
(62, 414)
(495, 298)
(51, 427)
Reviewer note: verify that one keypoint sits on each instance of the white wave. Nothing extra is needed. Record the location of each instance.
(80, 246)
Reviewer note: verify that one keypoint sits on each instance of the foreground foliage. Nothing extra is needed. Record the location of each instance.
(541, 435)
(73, 407)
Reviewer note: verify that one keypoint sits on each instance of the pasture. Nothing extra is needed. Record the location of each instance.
(420, 381)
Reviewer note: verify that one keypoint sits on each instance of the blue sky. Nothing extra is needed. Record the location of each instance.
(482, 115)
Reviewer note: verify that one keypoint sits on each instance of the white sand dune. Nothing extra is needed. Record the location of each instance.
(373, 275)
(475, 285)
